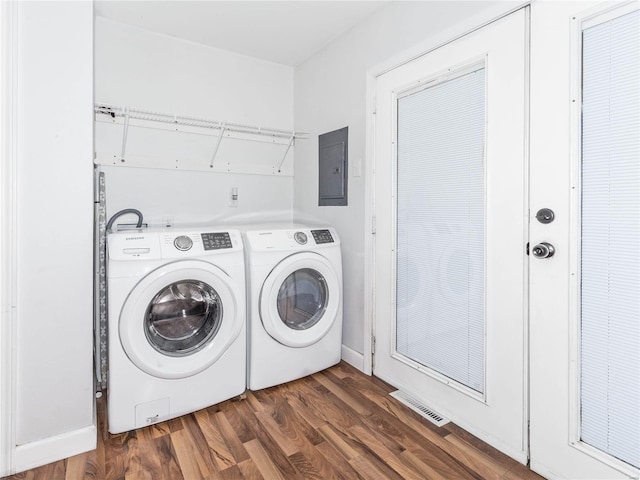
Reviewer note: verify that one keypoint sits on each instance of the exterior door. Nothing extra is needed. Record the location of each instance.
(450, 176)
(585, 300)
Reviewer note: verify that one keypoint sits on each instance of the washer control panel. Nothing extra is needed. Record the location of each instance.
(216, 241)
(149, 244)
(183, 243)
(322, 236)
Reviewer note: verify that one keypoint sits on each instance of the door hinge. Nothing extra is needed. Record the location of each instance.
(373, 351)
(527, 248)
(373, 225)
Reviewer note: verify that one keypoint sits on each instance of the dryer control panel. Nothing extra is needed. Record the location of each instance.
(294, 239)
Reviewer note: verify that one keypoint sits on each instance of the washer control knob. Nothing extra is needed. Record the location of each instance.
(183, 243)
(300, 237)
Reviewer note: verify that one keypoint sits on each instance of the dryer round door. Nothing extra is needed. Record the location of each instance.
(179, 319)
(300, 299)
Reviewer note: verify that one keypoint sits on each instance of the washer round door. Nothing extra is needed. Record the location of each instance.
(179, 319)
(300, 299)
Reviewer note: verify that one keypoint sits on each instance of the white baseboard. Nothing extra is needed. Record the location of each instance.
(52, 449)
(353, 358)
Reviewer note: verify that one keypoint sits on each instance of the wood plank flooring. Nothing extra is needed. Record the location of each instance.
(336, 424)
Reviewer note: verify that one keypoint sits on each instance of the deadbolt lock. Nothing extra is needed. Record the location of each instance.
(545, 215)
(543, 250)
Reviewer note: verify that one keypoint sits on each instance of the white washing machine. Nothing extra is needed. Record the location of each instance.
(177, 323)
(295, 303)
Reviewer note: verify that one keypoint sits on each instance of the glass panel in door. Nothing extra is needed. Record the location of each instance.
(610, 240)
(440, 227)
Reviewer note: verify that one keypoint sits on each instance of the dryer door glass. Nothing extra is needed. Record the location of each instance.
(183, 317)
(302, 299)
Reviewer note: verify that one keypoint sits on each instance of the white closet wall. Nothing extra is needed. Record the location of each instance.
(197, 198)
(54, 395)
(142, 69)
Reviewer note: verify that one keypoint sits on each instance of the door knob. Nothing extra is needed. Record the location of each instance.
(543, 250)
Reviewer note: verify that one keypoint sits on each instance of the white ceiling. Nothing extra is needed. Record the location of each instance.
(286, 32)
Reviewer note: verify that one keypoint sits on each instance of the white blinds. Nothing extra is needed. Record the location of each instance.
(440, 228)
(610, 292)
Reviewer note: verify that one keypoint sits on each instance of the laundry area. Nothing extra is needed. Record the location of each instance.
(320, 239)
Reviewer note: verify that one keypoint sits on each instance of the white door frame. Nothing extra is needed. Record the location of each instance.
(8, 85)
(465, 28)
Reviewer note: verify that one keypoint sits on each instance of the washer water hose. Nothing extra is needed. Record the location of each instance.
(124, 212)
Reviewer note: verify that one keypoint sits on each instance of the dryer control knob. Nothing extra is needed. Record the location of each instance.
(300, 237)
(183, 243)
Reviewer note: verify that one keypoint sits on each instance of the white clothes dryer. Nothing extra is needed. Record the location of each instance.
(177, 323)
(295, 303)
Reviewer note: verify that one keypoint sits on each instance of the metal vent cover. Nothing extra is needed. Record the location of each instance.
(420, 408)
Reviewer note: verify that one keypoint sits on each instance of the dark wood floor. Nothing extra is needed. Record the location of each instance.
(336, 424)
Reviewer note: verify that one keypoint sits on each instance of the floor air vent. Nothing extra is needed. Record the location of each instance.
(420, 408)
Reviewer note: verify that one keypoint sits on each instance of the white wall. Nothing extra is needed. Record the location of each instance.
(137, 68)
(331, 93)
(54, 379)
(148, 70)
(197, 197)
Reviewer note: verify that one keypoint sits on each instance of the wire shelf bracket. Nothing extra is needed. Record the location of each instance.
(125, 132)
(215, 150)
(291, 143)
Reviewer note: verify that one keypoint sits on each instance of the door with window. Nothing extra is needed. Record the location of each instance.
(450, 177)
(585, 300)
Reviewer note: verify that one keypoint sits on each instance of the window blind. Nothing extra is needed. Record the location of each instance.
(610, 255)
(440, 228)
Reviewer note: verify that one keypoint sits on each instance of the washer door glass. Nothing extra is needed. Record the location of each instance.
(183, 317)
(302, 299)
